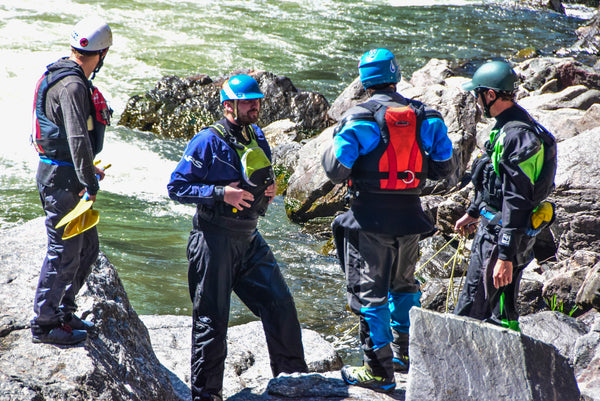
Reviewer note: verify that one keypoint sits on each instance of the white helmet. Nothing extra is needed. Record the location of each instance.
(91, 34)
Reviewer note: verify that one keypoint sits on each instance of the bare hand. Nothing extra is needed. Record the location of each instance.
(90, 197)
(503, 271)
(271, 191)
(237, 197)
(99, 173)
(466, 225)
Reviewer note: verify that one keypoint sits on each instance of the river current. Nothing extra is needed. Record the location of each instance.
(315, 43)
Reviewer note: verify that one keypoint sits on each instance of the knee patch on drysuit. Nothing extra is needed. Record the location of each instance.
(378, 319)
(399, 305)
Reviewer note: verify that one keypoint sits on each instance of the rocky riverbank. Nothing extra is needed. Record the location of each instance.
(556, 357)
(563, 94)
(131, 357)
(146, 358)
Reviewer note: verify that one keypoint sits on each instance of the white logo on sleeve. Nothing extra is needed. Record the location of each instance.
(505, 239)
(190, 159)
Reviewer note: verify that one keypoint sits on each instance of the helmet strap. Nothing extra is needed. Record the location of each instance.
(487, 106)
(235, 111)
(100, 63)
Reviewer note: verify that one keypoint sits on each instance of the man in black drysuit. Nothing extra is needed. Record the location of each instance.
(512, 179)
(226, 171)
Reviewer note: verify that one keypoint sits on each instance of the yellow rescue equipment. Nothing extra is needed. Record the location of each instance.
(541, 217)
(544, 213)
(82, 217)
(82, 223)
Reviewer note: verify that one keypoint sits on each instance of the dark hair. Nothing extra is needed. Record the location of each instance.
(504, 95)
(86, 53)
(378, 87)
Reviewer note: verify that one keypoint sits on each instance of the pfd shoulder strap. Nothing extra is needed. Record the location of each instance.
(224, 133)
(538, 129)
(54, 76)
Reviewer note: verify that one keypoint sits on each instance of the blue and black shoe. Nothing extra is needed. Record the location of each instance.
(61, 335)
(363, 377)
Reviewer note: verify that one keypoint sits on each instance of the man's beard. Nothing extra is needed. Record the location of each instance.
(246, 119)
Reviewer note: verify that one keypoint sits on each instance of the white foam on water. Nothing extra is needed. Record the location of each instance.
(429, 3)
(136, 170)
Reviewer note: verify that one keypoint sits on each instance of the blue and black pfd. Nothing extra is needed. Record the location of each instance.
(49, 139)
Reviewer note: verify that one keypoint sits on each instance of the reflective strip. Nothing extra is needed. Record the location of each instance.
(228, 91)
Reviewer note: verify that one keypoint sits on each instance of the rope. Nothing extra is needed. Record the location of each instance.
(456, 258)
(346, 334)
(455, 236)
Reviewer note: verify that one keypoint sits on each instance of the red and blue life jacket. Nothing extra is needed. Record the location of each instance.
(398, 163)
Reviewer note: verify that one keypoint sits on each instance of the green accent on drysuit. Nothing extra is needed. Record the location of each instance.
(532, 167)
(509, 324)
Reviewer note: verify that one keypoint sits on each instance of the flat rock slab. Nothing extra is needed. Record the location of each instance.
(455, 358)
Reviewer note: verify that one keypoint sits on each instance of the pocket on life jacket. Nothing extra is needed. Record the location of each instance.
(402, 159)
(256, 167)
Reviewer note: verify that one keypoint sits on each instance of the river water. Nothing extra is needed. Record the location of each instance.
(315, 43)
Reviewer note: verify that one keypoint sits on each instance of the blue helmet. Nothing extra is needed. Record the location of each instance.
(240, 87)
(378, 66)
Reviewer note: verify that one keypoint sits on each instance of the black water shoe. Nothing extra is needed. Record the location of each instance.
(60, 335)
(77, 323)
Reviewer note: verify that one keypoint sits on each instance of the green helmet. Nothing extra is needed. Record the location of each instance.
(496, 75)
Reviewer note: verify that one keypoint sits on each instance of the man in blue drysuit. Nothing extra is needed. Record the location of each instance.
(226, 171)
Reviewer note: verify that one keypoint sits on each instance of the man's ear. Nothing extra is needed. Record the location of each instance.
(227, 104)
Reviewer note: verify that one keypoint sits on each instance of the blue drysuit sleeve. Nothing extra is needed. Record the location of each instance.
(187, 183)
(355, 139)
(438, 147)
(434, 136)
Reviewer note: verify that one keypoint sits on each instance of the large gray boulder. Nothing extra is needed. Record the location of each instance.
(179, 107)
(115, 363)
(587, 360)
(577, 194)
(457, 358)
(589, 36)
(247, 364)
(124, 360)
(310, 194)
(558, 329)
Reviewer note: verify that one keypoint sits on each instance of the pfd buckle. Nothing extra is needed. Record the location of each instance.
(411, 176)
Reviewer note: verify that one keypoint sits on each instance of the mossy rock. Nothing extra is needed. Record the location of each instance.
(527, 53)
